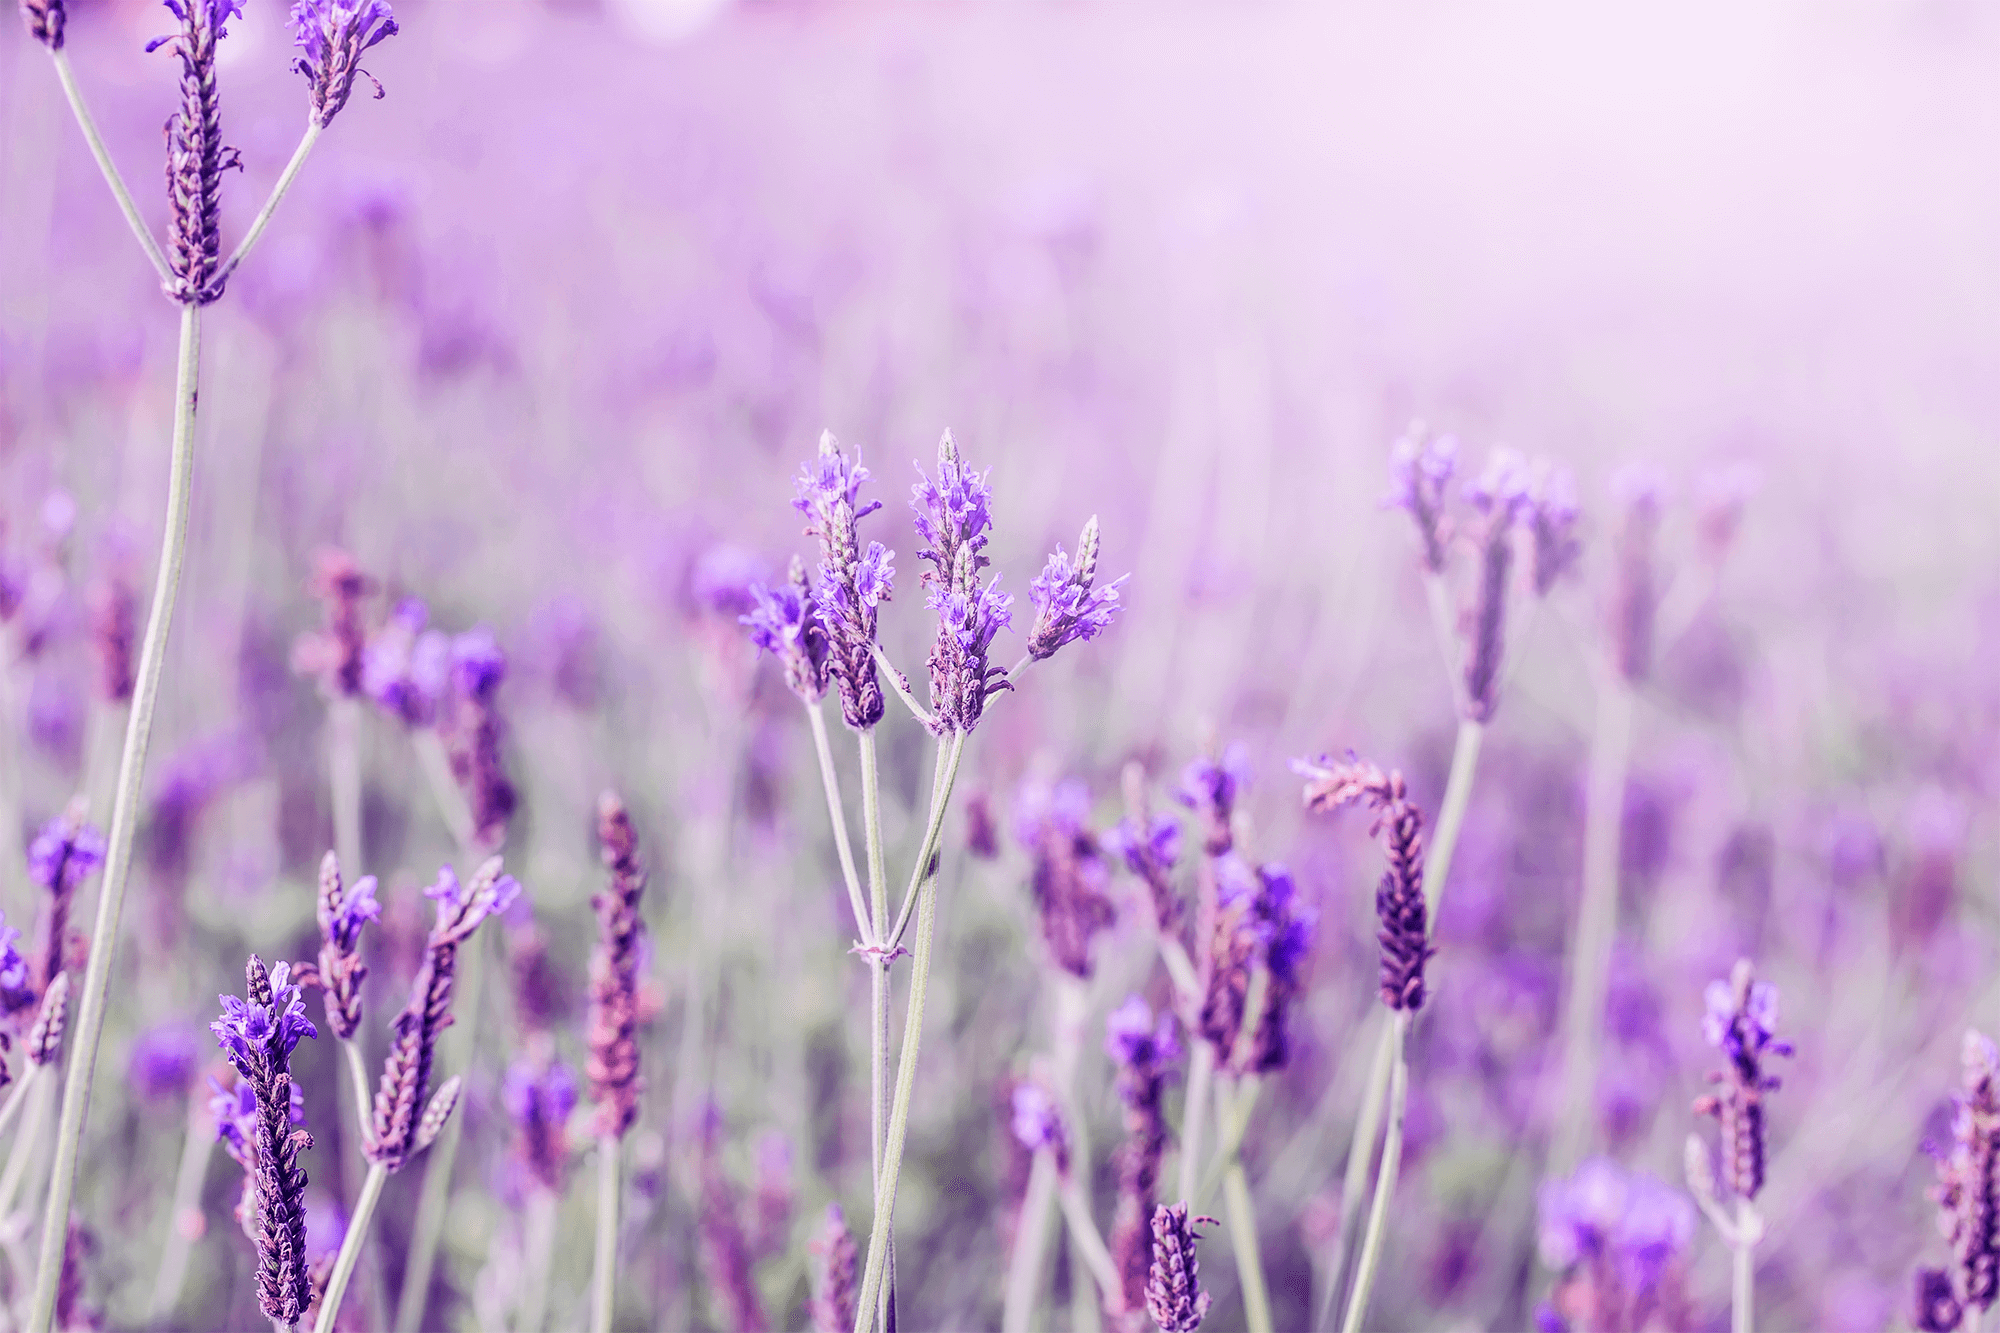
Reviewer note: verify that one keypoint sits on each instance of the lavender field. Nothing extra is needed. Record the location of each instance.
(843, 666)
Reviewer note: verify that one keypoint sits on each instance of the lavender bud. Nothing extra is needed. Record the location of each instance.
(1741, 1016)
(1066, 607)
(406, 669)
(852, 584)
(954, 518)
(1399, 898)
(45, 20)
(471, 732)
(613, 1067)
(45, 1039)
(1173, 1288)
(1149, 845)
(833, 1263)
(1037, 1123)
(442, 1104)
(333, 34)
(342, 913)
(196, 157)
(539, 1096)
(1634, 596)
(786, 625)
(61, 857)
(1420, 471)
(725, 1250)
(114, 632)
(1209, 787)
(1500, 497)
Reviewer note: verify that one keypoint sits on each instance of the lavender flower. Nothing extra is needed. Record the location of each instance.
(1634, 597)
(196, 157)
(1501, 498)
(334, 653)
(1399, 898)
(259, 1034)
(1741, 1016)
(1173, 1286)
(1037, 1122)
(1209, 787)
(13, 967)
(343, 911)
(45, 1039)
(1067, 608)
(1968, 1191)
(786, 625)
(1145, 1051)
(772, 1195)
(333, 34)
(725, 1251)
(1261, 928)
(613, 1067)
(405, 668)
(1616, 1241)
(954, 517)
(539, 1096)
(472, 734)
(114, 632)
(397, 1129)
(1552, 518)
(1069, 875)
(62, 856)
(45, 19)
(833, 1265)
(1420, 472)
(852, 584)
(163, 1061)
(1936, 1307)
(1151, 854)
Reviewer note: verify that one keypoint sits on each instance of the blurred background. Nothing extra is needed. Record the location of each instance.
(542, 337)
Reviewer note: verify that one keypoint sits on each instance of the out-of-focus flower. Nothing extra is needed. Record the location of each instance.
(613, 1066)
(1399, 898)
(333, 34)
(472, 730)
(1037, 1122)
(163, 1061)
(786, 625)
(1145, 1050)
(1209, 787)
(65, 852)
(1067, 606)
(834, 1265)
(1500, 497)
(334, 653)
(1420, 471)
(405, 668)
(1617, 1240)
(1742, 1014)
(45, 19)
(1634, 590)
(1151, 854)
(343, 910)
(539, 1096)
(1262, 930)
(1069, 875)
(1968, 1189)
(1552, 518)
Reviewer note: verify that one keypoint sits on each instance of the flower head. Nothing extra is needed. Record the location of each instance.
(1136, 1039)
(1552, 520)
(253, 1030)
(1420, 471)
(833, 1262)
(13, 967)
(1210, 787)
(969, 616)
(343, 909)
(538, 1097)
(954, 512)
(45, 20)
(65, 852)
(1037, 1121)
(615, 966)
(333, 34)
(1615, 1239)
(1399, 897)
(1067, 607)
(852, 583)
(405, 668)
(196, 157)
(785, 623)
(1741, 1015)
(1173, 1289)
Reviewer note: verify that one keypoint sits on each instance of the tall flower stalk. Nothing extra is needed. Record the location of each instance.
(613, 1067)
(193, 275)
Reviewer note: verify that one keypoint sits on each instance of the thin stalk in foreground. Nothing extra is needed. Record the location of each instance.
(604, 1269)
(17, 1097)
(89, 1030)
(1089, 1240)
(343, 752)
(836, 813)
(154, 255)
(1385, 1181)
(1743, 1289)
(1201, 1069)
(1243, 1240)
(926, 886)
(878, 975)
(270, 208)
(183, 1216)
(1235, 1118)
(1031, 1239)
(27, 1149)
(350, 1248)
(1597, 919)
(538, 1241)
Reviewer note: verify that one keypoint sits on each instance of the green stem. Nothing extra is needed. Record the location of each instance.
(357, 1077)
(878, 975)
(1031, 1240)
(837, 813)
(89, 1030)
(1451, 816)
(1201, 1068)
(451, 805)
(1235, 1117)
(1597, 920)
(1243, 1240)
(343, 737)
(913, 1032)
(27, 1148)
(154, 255)
(353, 1168)
(278, 191)
(1385, 1181)
(940, 794)
(17, 1097)
(604, 1271)
(350, 1248)
(1089, 1240)
(901, 685)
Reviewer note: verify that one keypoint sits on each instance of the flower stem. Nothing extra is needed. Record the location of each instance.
(1597, 920)
(350, 1248)
(264, 215)
(1385, 1180)
(17, 1097)
(1234, 1115)
(1031, 1241)
(89, 1030)
(1451, 816)
(878, 975)
(451, 805)
(1089, 1240)
(1243, 1240)
(27, 1148)
(1743, 1289)
(154, 254)
(604, 1270)
(1201, 1069)
(343, 750)
(538, 1241)
(925, 884)
(837, 814)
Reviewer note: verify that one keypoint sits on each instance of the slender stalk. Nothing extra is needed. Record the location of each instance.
(1031, 1240)
(1597, 920)
(343, 751)
(353, 1172)
(899, 683)
(837, 813)
(154, 255)
(1234, 1114)
(1089, 1240)
(1243, 1240)
(1201, 1069)
(278, 191)
(350, 1248)
(940, 795)
(913, 1031)
(1743, 1290)
(452, 808)
(27, 1148)
(16, 1098)
(1385, 1182)
(538, 1240)
(357, 1076)
(1451, 815)
(183, 1216)
(878, 977)
(89, 1030)
(604, 1270)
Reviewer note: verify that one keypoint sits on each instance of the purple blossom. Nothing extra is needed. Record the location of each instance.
(1552, 521)
(1037, 1122)
(1067, 608)
(247, 1026)
(163, 1060)
(460, 908)
(534, 1095)
(969, 617)
(1135, 1039)
(13, 967)
(828, 481)
(954, 512)
(1420, 471)
(1739, 1022)
(1501, 498)
(1160, 844)
(1210, 787)
(785, 623)
(852, 585)
(478, 664)
(65, 853)
(405, 667)
(1617, 1227)
(333, 34)
(196, 156)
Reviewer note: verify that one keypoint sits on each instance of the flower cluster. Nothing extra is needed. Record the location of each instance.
(1420, 470)
(1067, 606)
(853, 583)
(1150, 845)
(1038, 1124)
(405, 667)
(471, 731)
(63, 855)
(786, 624)
(834, 1264)
(196, 157)
(1069, 875)
(333, 34)
(1399, 897)
(613, 1066)
(1173, 1284)
(1209, 787)
(1263, 933)
(954, 518)
(334, 653)
(1145, 1050)
(45, 20)
(1740, 1022)
(1617, 1240)
(343, 910)
(1968, 1195)
(538, 1096)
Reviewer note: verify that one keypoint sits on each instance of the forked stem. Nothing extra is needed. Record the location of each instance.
(89, 1030)
(1385, 1181)
(154, 255)
(270, 208)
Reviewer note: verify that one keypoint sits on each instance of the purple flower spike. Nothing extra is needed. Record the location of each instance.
(1038, 1122)
(1145, 1049)
(196, 157)
(1209, 787)
(65, 852)
(1501, 499)
(1420, 472)
(1968, 1190)
(538, 1098)
(852, 585)
(405, 668)
(45, 20)
(1067, 608)
(333, 34)
(1741, 1015)
(969, 617)
(1552, 520)
(954, 511)
(1615, 1240)
(785, 623)
(13, 967)
(1173, 1288)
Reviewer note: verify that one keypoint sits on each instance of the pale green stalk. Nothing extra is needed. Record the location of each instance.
(179, 1245)
(900, 684)
(836, 813)
(1597, 920)
(27, 1148)
(538, 1241)
(604, 1270)
(1235, 1118)
(154, 255)
(278, 191)
(1385, 1182)
(1743, 1290)
(89, 1029)
(1089, 1241)
(15, 1099)
(1201, 1068)
(451, 803)
(923, 886)
(1243, 1240)
(343, 749)
(350, 1248)
(878, 978)
(1031, 1240)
